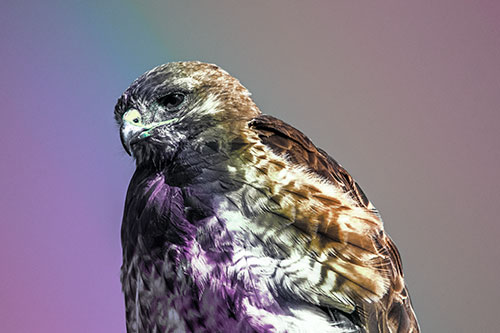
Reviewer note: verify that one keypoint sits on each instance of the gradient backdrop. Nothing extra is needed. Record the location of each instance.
(404, 95)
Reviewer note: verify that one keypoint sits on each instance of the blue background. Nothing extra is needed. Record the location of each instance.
(404, 95)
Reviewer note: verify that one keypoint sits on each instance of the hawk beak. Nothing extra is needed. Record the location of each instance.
(133, 130)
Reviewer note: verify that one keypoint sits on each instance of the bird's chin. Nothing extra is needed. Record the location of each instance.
(153, 153)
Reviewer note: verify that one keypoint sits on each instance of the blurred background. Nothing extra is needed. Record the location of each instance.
(405, 95)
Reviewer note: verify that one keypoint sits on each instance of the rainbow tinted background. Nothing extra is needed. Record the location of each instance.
(405, 95)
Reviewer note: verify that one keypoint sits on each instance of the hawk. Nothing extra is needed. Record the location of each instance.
(235, 221)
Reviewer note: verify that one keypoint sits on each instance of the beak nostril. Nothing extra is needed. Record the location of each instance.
(132, 116)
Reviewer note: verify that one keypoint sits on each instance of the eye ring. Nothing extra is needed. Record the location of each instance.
(172, 101)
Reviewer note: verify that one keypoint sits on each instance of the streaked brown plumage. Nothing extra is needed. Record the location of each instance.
(393, 312)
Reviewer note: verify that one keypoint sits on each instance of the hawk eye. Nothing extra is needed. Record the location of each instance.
(171, 101)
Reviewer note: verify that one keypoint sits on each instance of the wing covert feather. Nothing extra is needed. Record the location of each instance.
(393, 312)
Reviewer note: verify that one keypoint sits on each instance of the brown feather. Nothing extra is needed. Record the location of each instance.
(395, 312)
(284, 139)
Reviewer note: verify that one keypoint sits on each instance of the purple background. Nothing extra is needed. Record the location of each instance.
(404, 95)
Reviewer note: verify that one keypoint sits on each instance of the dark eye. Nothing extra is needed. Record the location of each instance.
(171, 101)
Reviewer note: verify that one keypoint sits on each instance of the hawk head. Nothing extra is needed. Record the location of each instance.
(177, 105)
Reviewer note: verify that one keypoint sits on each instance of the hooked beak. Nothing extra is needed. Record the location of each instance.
(133, 130)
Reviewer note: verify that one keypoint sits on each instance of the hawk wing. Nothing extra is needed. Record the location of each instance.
(393, 311)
